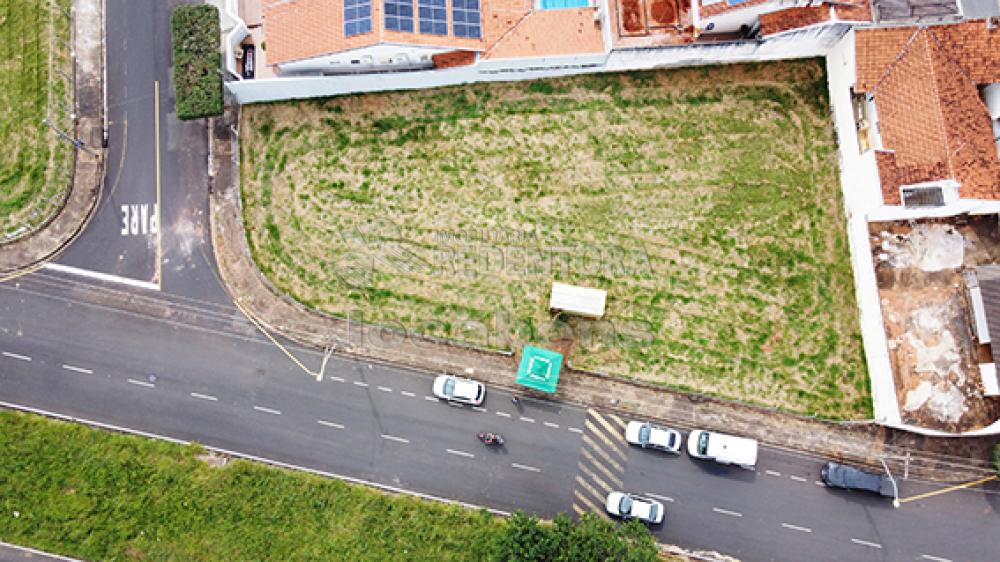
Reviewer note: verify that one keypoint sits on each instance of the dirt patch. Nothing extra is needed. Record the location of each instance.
(213, 460)
(928, 320)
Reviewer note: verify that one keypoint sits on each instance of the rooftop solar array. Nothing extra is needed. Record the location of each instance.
(357, 17)
(399, 15)
(465, 19)
(433, 15)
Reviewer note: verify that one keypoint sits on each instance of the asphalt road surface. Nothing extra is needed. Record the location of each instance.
(191, 371)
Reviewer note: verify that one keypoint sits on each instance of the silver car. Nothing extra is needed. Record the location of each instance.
(629, 506)
(450, 387)
(647, 435)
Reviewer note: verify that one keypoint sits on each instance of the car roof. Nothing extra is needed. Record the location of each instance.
(854, 477)
(466, 388)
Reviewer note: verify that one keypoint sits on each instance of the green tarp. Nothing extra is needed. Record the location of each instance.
(539, 369)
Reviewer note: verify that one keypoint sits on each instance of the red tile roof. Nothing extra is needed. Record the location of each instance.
(931, 118)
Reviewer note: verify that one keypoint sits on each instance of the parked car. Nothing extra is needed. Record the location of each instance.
(630, 506)
(722, 448)
(836, 475)
(450, 387)
(249, 59)
(647, 435)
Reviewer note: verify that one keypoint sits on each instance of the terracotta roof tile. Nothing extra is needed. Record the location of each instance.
(550, 33)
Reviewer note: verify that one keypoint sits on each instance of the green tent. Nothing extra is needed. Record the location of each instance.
(539, 369)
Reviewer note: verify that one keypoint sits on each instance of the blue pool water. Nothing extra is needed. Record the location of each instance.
(555, 4)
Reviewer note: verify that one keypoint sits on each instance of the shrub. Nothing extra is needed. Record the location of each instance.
(197, 78)
(525, 539)
(996, 458)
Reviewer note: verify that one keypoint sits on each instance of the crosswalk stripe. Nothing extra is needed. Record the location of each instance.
(600, 451)
(579, 510)
(612, 430)
(611, 476)
(619, 422)
(612, 444)
(586, 502)
(584, 487)
(597, 480)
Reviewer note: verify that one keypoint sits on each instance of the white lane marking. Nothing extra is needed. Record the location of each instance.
(338, 379)
(727, 512)
(797, 478)
(934, 558)
(661, 498)
(529, 420)
(204, 396)
(102, 276)
(142, 383)
(460, 453)
(394, 438)
(479, 409)
(248, 456)
(78, 369)
(503, 414)
(407, 393)
(818, 483)
(16, 356)
(359, 383)
(772, 473)
(384, 389)
(796, 528)
(550, 424)
(267, 410)
(330, 424)
(575, 429)
(866, 543)
(431, 398)
(525, 467)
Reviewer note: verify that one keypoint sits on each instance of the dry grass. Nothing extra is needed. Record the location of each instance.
(705, 201)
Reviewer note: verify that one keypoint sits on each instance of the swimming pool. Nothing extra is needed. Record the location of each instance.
(556, 4)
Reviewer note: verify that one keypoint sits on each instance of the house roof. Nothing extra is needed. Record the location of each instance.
(932, 121)
(797, 17)
(303, 29)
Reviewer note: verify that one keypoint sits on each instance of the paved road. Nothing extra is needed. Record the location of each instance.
(14, 553)
(191, 370)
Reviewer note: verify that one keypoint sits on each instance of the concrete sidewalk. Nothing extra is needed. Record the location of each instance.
(26, 254)
(861, 443)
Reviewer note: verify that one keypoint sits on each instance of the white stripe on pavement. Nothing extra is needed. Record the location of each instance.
(267, 410)
(934, 558)
(503, 414)
(479, 409)
(407, 393)
(204, 396)
(102, 276)
(529, 420)
(329, 424)
(359, 383)
(661, 498)
(550, 424)
(460, 453)
(575, 429)
(431, 398)
(142, 383)
(17, 356)
(525, 467)
(772, 473)
(727, 512)
(78, 369)
(394, 438)
(866, 543)
(338, 379)
(796, 528)
(385, 389)
(797, 478)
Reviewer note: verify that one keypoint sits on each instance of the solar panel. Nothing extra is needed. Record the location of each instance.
(433, 16)
(399, 15)
(465, 19)
(357, 17)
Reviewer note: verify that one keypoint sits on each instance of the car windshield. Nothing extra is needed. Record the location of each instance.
(449, 387)
(652, 512)
(625, 506)
(644, 434)
(703, 444)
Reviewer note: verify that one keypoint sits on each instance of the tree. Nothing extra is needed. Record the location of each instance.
(591, 539)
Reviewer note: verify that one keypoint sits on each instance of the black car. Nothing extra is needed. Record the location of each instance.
(249, 51)
(838, 475)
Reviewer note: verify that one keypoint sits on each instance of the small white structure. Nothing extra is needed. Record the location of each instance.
(582, 301)
(989, 373)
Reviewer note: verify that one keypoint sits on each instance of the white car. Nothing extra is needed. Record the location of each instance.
(629, 506)
(722, 448)
(645, 434)
(450, 387)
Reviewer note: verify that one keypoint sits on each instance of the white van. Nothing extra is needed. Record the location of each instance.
(723, 449)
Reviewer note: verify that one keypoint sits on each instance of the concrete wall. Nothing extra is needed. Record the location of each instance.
(368, 59)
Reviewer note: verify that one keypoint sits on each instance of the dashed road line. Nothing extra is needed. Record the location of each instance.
(330, 424)
(384, 388)
(796, 528)
(818, 483)
(772, 473)
(407, 393)
(525, 467)
(337, 379)
(204, 396)
(361, 384)
(503, 414)
(866, 543)
(575, 429)
(394, 438)
(431, 398)
(934, 558)
(667, 499)
(479, 409)
(17, 356)
(550, 424)
(271, 411)
(727, 512)
(797, 478)
(460, 453)
(78, 369)
(529, 420)
(142, 383)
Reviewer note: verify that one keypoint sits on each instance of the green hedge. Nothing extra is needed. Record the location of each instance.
(996, 458)
(197, 62)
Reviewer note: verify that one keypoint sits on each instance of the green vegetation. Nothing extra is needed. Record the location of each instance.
(706, 201)
(593, 539)
(35, 165)
(996, 458)
(82, 492)
(197, 62)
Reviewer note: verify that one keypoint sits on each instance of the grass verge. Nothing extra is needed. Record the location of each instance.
(706, 201)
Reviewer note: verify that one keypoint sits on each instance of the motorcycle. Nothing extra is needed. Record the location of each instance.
(489, 439)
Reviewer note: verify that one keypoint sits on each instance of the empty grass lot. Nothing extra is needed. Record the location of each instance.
(34, 163)
(705, 201)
